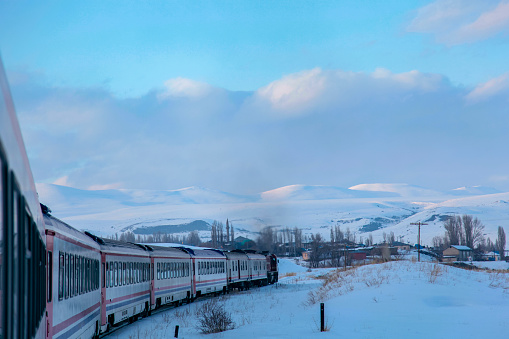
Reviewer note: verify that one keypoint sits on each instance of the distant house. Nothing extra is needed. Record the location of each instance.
(401, 246)
(457, 253)
(306, 255)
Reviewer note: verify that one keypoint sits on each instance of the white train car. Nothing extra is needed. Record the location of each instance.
(22, 240)
(209, 271)
(237, 277)
(73, 299)
(173, 275)
(257, 268)
(125, 289)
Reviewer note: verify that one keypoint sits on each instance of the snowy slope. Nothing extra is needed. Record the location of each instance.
(364, 209)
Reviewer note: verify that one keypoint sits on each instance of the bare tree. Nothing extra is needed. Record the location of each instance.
(500, 243)
(473, 231)
(317, 250)
(391, 239)
(439, 243)
(454, 230)
(227, 231)
(266, 240)
(193, 239)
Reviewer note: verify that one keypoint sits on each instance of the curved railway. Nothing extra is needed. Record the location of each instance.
(58, 282)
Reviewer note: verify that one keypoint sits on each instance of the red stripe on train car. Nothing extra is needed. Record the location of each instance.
(66, 323)
(125, 297)
(75, 242)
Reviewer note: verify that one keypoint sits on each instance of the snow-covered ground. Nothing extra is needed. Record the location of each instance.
(393, 300)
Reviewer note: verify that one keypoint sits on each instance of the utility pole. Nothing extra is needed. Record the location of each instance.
(418, 239)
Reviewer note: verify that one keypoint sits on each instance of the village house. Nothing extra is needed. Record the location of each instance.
(457, 253)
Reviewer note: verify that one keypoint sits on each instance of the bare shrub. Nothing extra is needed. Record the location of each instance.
(213, 318)
(435, 272)
(183, 316)
(289, 274)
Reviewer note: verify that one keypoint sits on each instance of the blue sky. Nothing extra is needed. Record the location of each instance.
(237, 45)
(258, 70)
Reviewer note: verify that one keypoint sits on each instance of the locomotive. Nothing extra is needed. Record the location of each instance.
(58, 282)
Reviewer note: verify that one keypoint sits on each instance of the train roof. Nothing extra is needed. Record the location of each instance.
(255, 256)
(111, 246)
(167, 252)
(63, 229)
(236, 255)
(206, 253)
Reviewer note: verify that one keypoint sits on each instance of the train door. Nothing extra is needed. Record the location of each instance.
(152, 276)
(103, 289)
(49, 283)
(193, 290)
(250, 268)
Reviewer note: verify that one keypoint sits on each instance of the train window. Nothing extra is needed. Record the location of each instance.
(115, 274)
(81, 274)
(49, 274)
(60, 276)
(76, 275)
(71, 273)
(107, 275)
(137, 273)
(132, 272)
(110, 274)
(158, 273)
(128, 274)
(122, 271)
(135, 270)
(66, 276)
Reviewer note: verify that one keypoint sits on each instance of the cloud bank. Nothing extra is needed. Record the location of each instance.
(462, 21)
(329, 127)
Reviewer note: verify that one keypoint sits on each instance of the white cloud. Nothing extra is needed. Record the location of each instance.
(293, 92)
(488, 24)
(489, 89)
(333, 127)
(105, 187)
(62, 181)
(462, 21)
(182, 87)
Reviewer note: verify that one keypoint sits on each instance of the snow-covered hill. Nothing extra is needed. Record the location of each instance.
(364, 209)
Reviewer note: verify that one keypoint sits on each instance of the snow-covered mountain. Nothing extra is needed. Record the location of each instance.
(364, 209)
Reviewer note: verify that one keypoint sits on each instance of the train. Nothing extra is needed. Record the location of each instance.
(59, 282)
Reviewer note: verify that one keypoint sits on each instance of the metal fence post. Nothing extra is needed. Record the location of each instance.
(322, 312)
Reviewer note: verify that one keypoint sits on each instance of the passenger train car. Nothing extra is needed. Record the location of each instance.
(57, 282)
(22, 241)
(73, 294)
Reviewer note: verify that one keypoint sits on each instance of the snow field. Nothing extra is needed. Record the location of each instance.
(391, 300)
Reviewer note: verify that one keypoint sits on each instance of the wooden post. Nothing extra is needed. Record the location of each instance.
(176, 331)
(418, 239)
(322, 318)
